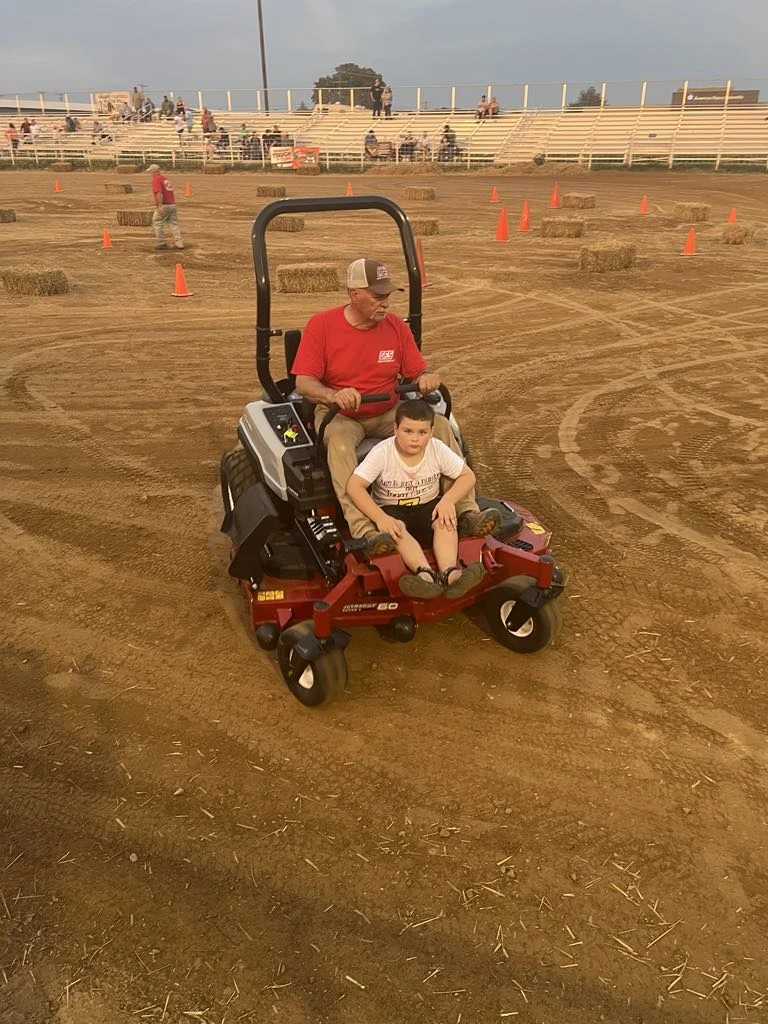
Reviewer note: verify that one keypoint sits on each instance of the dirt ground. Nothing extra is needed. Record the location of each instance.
(469, 836)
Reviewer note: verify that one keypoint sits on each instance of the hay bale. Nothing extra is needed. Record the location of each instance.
(578, 201)
(127, 168)
(307, 277)
(214, 169)
(425, 226)
(7, 216)
(134, 218)
(118, 187)
(597, 259)
(271, 190)
(562, 227)
(692, 213)
(34, 281)
(417, 192)
(733, 234)
(286, 222)
(62, 168)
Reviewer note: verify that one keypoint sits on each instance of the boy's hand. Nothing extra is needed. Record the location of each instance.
(444, 514)
(394, 527)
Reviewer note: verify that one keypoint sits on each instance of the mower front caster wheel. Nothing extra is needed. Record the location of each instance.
(530, 636)
(315, 682)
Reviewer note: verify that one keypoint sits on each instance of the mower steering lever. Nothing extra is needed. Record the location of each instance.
(333, 411)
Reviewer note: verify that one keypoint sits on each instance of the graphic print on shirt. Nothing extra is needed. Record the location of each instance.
(387, 355)
(415, 491)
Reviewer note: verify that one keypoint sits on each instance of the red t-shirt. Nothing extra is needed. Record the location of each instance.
(343, 356)
(161, 184)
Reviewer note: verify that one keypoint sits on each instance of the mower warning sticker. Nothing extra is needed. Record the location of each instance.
(270, 595)
(536, 528)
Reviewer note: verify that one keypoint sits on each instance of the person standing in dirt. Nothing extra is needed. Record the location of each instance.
(165, 210)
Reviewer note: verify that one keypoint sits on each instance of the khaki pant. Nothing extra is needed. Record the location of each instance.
(343, 435)
(165, 216)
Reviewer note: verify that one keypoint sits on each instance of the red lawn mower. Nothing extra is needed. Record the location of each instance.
(306, 580)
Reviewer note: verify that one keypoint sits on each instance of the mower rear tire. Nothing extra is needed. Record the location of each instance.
(534, 634)
(317, 682)
(240, 472)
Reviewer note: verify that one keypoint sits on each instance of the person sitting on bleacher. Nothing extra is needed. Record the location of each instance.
(70, 124)
(371, 144)
(166, 108)
(222, 142)
(493, 107)
(481, 111)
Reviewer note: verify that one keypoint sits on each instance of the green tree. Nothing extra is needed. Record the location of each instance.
(336, 86)
(589, 97)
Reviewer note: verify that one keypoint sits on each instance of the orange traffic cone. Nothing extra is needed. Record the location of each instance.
(187, 190)
(502, 231)
(106, 241)
(689, 249)
(554, 202)
(732, 215)
(181, 291)
(57, 186)
(644, 205)
(349, 191)
(525, 219)
(420, 261)
(494, 195)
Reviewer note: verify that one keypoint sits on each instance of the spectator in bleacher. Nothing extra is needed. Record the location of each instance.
(34, 131)
(180, 108)
(12, 134)
(70, 124)
(407, 148)
(493, 107)
(377, 92)
(137, 98)
(386, 101)
(222, 142)
(24, 130)
(244, 137)
(481, 110)
(126, 112)
(165, 210)
(146, 110)
(208, 122)
(179, 126)
(166, 108)
(99, 133)
(189, 119)
(448, 149)
(424, 146)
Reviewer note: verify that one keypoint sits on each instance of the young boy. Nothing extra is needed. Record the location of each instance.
(406, 503)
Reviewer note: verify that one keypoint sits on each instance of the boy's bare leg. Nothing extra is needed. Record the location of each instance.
(410, 551)
(445, 544)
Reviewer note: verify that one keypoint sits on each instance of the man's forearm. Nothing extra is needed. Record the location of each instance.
(314, 389)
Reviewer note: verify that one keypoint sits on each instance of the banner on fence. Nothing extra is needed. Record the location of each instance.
(294, 156)
(110, 102)
(713, 96)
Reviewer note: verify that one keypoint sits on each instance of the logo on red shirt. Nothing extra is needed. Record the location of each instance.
(387, 355)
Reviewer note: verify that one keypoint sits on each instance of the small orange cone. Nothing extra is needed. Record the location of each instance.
(494, 195)
(420, 261)
(181, 291)
(106, 241)
(57, 186)
(502, 231)
(644, 205)
(525, 219)
(349, 191)
(689, 249)
(187, 190)
(732, 215)
(554, 202)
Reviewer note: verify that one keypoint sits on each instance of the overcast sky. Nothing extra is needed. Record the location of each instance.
(199, 44)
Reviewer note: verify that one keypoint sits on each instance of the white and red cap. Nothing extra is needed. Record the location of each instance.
(373, 275)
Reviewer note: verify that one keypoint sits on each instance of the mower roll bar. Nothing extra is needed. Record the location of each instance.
(264, 331)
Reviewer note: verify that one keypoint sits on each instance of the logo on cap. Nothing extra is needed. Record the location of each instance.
(382, 273)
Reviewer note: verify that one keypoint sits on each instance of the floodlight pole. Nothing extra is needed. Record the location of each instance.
(264, 85)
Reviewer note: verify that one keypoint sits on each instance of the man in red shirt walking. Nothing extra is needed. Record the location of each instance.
(165, 209)
(360, 349)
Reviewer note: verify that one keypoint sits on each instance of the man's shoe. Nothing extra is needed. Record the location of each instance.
(478, 524)
(378, 544)
(178, 245)
(161, 245)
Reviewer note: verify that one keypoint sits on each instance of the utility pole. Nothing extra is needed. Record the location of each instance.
(264, 85)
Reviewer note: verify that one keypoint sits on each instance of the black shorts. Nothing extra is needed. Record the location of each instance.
(417, 519)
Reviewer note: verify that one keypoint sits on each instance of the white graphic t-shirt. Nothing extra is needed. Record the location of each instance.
(396, 483)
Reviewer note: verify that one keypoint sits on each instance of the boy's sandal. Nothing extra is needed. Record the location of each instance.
(470, 578)
(416, 586)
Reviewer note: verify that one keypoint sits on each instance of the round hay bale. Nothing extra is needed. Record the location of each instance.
(118, 187)
(307, 169)
(562, 227)
(127, 168)
(215, 169)
(286, 222)
(7, 216)
(271, 190)
(425, 226)
(733, 234)
(578, 201)
(34, 281)
(692, 213)
(597, 259)
(134, 218)
(417, 192)
(307, 277)
(62, 168)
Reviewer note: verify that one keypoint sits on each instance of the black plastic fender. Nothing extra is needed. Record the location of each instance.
(251, 523)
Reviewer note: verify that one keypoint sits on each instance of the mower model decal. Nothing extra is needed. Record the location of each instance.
(270, 595)
(535, 527)
(367, 606)
(387, 355)
(387, 606)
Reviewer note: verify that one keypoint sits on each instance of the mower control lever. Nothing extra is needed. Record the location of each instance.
(333, 411)
(431, 397)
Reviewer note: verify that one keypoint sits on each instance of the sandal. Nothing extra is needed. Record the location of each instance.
(469, 578)
(416, 586)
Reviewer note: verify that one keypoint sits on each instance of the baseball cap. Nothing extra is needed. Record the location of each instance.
(153, 167)
(372, 274)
